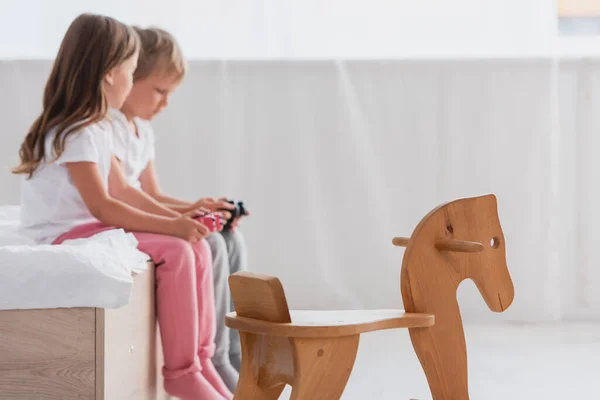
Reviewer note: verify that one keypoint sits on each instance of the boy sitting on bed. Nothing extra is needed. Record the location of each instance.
(160, 70)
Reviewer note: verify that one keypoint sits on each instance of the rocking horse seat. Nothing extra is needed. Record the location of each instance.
(312, 351)
(331, 323)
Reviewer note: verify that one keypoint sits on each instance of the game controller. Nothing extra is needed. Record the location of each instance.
(214, 222)
(239, 211)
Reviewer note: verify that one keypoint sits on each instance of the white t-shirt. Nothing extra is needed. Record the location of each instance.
(50, 204)
(134, 151)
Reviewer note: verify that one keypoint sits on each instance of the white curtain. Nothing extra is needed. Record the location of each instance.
(336, 158)
(577, 153)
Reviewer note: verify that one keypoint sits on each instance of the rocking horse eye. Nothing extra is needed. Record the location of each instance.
(494, 242)
(450, 228)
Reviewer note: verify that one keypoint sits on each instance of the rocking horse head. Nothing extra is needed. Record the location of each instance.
(461, 240)
(456, 241)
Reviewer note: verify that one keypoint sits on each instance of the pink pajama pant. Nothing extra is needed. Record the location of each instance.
(184, 296)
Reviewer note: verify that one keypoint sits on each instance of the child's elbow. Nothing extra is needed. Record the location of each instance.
(151, 191)
(119, 192)
(100, 210)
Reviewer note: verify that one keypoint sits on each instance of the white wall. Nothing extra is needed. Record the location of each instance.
(229, 29)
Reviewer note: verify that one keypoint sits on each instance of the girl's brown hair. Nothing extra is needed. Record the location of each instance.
(74, 96)
(159, 51)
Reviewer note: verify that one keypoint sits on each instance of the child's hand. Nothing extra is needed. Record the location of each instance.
(187, 228)
(215, 205)
(198, 212)
(236, 222)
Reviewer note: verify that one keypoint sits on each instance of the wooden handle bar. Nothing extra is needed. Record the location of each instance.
(460, 246)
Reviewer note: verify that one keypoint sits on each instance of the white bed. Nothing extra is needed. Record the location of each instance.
(94, 272)
(77, 321)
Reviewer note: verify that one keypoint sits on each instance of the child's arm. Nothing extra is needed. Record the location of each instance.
(150, 185)
(121, 190)
(86, 177)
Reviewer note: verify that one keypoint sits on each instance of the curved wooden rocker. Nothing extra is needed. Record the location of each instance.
(314, 351)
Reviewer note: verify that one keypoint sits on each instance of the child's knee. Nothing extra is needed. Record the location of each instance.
(218, 247)
(235, 240)
(202, 251)
(178, 253)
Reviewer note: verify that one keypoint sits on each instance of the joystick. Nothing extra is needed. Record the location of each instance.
(214, 222)
(239, 211)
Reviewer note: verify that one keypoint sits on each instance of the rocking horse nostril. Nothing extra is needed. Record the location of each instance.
(450, 228)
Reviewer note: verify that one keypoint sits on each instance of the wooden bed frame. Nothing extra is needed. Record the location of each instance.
(83, 353)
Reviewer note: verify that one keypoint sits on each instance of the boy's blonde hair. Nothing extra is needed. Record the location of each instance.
(159, 52)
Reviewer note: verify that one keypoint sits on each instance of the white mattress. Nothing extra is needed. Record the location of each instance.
(94, 272)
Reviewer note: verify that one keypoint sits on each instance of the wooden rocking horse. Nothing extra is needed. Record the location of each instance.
(314, 351)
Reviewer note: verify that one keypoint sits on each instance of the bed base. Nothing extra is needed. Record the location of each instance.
(83, 353)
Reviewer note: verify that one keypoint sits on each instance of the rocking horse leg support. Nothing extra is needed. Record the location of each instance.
(267, 360)
(267, 366)
(315, 368)
(323, 367)
(444, 363)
